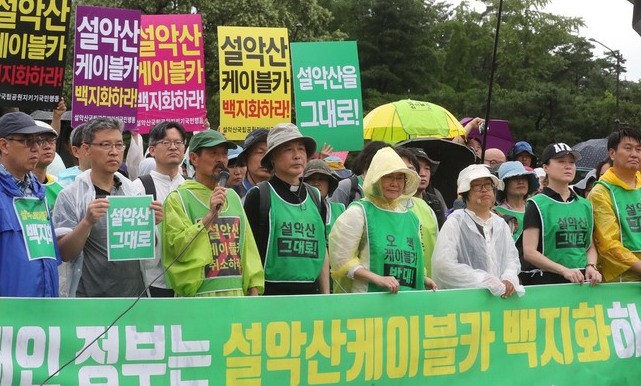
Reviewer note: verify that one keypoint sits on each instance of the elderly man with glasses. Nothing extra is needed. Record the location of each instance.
(80, 215)
(29, 254)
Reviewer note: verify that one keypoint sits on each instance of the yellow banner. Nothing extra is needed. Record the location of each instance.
(255, 79)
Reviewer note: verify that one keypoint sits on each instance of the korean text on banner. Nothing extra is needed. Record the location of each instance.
(33, 46)
(171, 83)
(327, 87)
(563, 335)
(255, 88)
(130, 228)
(105, 77)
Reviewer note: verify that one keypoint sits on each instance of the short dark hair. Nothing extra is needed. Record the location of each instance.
(95, 125)
(159, 131)
(615, 137)
(465, 196)
(364, 158)
(75, 138)
(405, 152)
(600, 165)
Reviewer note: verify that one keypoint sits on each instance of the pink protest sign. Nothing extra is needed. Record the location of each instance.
(171, 82)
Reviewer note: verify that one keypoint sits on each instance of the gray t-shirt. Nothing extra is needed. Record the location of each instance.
(100, 277)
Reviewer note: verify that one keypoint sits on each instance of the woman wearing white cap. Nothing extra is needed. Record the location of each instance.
(558, 225)
(474, 248)
(375, 245)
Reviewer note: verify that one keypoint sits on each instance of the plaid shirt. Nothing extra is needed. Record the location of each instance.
(24, 185)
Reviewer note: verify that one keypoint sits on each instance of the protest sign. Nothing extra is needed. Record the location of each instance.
(130, 228)
(255, 88)
(327, 89)
(105, 76)
(33, 46)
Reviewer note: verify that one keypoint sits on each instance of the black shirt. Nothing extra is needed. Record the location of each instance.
(532, 217)
(261, 234)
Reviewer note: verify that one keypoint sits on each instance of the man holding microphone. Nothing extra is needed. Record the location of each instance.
(208, 246)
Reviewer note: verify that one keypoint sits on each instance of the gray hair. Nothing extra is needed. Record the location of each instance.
(95, 125)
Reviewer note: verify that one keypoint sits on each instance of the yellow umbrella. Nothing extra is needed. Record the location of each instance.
(406, 119)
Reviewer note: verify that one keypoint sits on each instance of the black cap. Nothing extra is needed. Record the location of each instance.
(256, 136)
(557, 150)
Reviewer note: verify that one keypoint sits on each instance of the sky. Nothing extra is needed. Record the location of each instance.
(608, 21)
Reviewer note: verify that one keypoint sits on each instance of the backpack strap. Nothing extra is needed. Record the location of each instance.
(148, 184)
(315, 195)
(355, 188)
(265, 203)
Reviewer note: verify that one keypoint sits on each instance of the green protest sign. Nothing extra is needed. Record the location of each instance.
(33, 216)
(130, 228)
(561, 335)
(327, 88)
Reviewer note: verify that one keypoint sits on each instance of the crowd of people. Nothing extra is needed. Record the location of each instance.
(279, 216)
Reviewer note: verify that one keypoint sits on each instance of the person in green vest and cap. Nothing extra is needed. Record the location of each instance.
(47, 155)
(558, 225)
(208, 246)
(375, 245)
(285, 216)
(319, 175)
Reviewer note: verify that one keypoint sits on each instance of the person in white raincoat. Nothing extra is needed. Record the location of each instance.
(375, 245)
(474, 248)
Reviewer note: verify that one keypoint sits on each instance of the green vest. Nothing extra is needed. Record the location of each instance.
(519, 216)
(567, 229)
(394, 246)
(296, 248)
(627, 207)
(226, 236)
(429, 228)
(334, 210)
(52, 190)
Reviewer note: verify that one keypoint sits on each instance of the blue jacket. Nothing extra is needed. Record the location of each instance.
(20, 277)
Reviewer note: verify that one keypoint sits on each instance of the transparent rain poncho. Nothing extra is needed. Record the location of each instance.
(464, 258)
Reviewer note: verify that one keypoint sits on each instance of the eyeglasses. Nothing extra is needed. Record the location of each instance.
(168, 143)
(393, 178)
(108, 145)
(481, 187)
(32, 141)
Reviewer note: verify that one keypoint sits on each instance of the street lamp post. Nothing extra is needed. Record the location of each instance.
(617, 55)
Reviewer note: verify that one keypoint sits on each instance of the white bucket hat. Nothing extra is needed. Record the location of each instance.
(474, 172)
(282, 133)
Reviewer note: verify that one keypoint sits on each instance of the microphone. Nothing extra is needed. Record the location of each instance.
(222, 181)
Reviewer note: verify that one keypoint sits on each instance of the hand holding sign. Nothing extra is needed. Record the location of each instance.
(156, 206)
(96, 209)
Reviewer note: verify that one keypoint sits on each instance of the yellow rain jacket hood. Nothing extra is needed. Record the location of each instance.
(386, 161)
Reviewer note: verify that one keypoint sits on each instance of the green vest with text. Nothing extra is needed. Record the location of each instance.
(567, 229)
(335, 210)
(627, 207)
(226, 236)
(297, 246)
(52, 190)
(519, 216)
(394, 246)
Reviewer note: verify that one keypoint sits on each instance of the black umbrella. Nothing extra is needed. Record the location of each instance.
(453, 158)
(592, 152)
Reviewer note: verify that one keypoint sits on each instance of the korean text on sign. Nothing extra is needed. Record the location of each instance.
(172, 71)
(255, 79)
(105, 81)
(33, 45)
(130, 228)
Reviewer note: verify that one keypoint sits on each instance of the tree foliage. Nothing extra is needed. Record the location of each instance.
(548, 84)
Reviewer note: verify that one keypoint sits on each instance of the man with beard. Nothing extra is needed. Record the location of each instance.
(208, 246)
